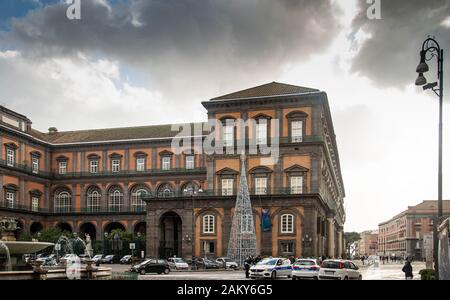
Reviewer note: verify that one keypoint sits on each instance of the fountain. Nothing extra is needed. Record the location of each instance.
(12, 266)
(12, 249)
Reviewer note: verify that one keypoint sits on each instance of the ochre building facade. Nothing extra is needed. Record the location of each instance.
(94, 181)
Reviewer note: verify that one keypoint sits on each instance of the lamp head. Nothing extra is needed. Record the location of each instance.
(422, 67)
(421, 80)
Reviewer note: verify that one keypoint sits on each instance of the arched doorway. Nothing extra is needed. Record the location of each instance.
(64, 227)
(141, 228)
(113, 226)
(170, 235)
(88, 228)
(36, 227)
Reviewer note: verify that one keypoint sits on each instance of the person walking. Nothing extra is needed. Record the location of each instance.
(362, 259)
(247, 268)
(408, 270)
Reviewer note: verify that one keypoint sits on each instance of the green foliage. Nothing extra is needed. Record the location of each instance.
(51, 235)
(126, 237)
(427, 274)
(351, 237)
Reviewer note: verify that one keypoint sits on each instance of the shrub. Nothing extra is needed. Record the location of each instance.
(426, 274)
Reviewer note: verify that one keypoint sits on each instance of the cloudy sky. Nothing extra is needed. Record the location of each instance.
(140, 62)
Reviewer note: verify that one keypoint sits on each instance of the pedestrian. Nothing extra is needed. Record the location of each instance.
(407, 269)
(362, 259)
(247, 268)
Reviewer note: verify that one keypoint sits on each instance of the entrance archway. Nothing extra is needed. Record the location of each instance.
(141, 228)
(65, 227)
(114, 225)
(170, 235)
(88, 228)
(36, 227)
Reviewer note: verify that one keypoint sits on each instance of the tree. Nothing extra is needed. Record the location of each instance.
(350, 238)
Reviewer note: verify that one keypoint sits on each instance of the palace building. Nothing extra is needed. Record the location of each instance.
(94, 181)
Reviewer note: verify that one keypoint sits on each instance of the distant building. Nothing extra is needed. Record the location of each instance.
(403, 234)
(368, 244)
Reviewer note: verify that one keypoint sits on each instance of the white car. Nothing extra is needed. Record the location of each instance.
(305, 268)
(229, 263)
(177, 263)
(271, 268)
(339, 269)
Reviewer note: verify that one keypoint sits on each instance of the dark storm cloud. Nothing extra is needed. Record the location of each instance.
(189, 43)
(390, 56)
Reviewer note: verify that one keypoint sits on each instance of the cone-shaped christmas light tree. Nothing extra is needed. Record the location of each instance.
(242, 243)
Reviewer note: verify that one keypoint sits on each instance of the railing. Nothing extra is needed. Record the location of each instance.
(71, 175)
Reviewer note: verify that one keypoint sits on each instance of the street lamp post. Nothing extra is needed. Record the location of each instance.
(431, 49)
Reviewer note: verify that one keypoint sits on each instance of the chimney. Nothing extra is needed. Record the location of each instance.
(52, 130)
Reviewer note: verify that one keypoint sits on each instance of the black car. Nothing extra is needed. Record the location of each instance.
(109, 259)
(158, 266)
(205, 263)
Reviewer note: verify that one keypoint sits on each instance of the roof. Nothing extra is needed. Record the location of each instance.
(266, 90)
(425, 207)
(109, 134)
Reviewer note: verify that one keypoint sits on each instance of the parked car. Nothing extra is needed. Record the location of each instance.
(177, 263)
(126, 259)
(228, 262)
(339, 269)
(305, 268)
(97, 258)
(48, 260)
(84, 258)
(271, 268)
(69, 257)
(109, 259)
(158, 266)
(205, 263)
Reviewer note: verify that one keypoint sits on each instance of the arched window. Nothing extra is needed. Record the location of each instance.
(63, 202)
(287, 223)
(190, 189)
(136, 201)
(165, 191)
(115, 201)
(93, 200)
(208, 224)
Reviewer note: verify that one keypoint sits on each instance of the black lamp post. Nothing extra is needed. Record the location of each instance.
(105, 244)
(431, 49)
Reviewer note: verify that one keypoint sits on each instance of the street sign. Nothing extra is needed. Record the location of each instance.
(132, 246)
(58, 247)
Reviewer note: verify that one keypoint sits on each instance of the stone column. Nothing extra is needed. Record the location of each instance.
(152, 234)
(340, 252)
(330, 222)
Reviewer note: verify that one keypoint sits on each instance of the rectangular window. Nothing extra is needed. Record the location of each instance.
(62, 167)
(287, 247)
(227, 187)
(140, 164)
(208, 224)
(190, 162)
(93, 166)
(115, 165)
(261, 133)
(165, 163)
(10, 157)
(10, 199)
(287, 224)
(296, 185)
(297, 131)
(35, 204)
(35, 165)
(208, 247)
(228, 136)
(261, 186)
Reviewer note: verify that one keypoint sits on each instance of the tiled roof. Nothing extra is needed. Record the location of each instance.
(269, 89)
(430, 205)
(110, 134)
